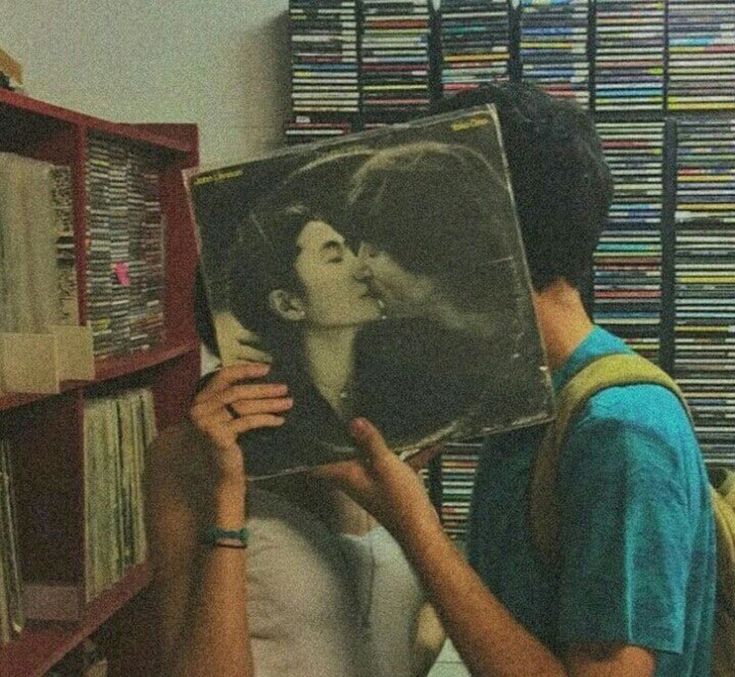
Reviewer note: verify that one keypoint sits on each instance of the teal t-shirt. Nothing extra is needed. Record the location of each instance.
(637, 532)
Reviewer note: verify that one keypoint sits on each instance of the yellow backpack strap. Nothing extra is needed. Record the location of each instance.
(723, 503)
(618, 369)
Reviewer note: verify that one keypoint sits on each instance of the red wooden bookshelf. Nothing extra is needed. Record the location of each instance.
(46, 431)
(42, 645)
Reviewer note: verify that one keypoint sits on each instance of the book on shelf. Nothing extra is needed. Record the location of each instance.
(286, 245)
(30, 225)
(117, 430)
(12, 616)
(38, 287)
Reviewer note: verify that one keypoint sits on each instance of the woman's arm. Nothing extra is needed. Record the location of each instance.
(201, 589)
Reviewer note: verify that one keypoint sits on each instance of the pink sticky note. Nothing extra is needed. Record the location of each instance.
(121, 270)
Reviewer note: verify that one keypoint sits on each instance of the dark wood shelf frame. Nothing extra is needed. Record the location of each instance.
(42, 645)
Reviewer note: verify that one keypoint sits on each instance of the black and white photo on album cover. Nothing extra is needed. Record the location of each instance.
(383, 276)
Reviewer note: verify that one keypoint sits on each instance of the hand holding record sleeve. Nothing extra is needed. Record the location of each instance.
(234, 402)
(384, 275)
(385, 486)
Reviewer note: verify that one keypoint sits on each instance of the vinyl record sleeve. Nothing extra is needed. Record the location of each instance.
(384, 275)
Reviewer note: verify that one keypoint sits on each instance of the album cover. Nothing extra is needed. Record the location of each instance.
(383, 275)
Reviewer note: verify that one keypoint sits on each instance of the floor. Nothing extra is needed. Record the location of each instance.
(449, 664)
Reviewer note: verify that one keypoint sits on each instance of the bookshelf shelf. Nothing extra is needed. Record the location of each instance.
(41, 645)
(107, 370)
(115, 367)
(10, 401)
(130, 254)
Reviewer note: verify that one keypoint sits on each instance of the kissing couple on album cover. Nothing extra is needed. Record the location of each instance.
(384, 276)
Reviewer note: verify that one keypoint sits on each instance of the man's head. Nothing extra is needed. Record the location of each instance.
(561, 183)
(430, 207)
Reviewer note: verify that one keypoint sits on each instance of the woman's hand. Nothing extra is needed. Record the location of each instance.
(226, 407)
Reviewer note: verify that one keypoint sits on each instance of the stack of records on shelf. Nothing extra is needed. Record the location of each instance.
(701, 55)
(125, 256)
(628, 258)
(37, 269)
(61, 197)
(395, 59)
(117, 430)
(554, 46)
(458, 464)
(475, 38)
(324, 68)
(12, 618)
(704, 363)
(629, 55)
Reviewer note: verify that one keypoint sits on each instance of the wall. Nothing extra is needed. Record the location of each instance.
(222, 64)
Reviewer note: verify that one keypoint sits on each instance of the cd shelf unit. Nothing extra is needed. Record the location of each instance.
(659, 78)
(158, 351)
(358, 64)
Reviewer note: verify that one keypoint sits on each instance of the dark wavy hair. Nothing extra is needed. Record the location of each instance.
(264, 256)
(431, 206)
(561, 182)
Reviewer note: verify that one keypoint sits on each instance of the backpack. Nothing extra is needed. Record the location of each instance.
(617, 370)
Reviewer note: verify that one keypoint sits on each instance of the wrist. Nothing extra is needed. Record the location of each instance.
(229, 505)
(216, 536)
(421, 530)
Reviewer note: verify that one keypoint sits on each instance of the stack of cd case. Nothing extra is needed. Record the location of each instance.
(629, 55)
(704, 332)
(458, 469)
(325, 90)
(99, 253)
(146, 268)
(553, 47)
(628, 258)
(395, 59)
(125, 248)
(701, 68)
(475, 43)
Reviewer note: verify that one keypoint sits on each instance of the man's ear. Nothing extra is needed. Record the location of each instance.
(286, 305)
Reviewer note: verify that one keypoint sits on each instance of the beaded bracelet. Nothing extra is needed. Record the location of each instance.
(225, 538)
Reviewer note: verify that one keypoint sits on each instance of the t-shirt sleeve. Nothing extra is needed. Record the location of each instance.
(626, 535)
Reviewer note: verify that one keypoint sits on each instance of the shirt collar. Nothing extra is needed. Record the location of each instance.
(597, 343)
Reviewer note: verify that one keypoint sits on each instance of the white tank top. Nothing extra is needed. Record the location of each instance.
(388, 597)
(322, 604)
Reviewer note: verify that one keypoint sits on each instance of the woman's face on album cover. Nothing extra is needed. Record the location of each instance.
(403, 293)
(333, 293)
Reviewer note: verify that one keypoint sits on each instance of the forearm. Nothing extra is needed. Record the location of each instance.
(218, 638)
(489, 640)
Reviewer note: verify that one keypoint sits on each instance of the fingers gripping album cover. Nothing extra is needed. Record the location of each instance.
(382, 275)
